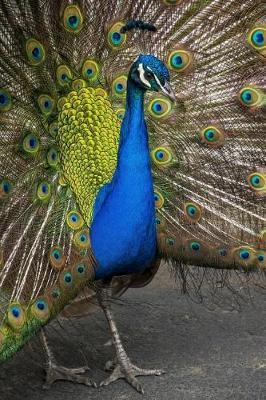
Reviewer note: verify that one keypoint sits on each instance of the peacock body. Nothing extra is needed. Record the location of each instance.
(125, 211)
(102, 173)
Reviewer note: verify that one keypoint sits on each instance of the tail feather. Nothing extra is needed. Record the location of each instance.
(205, 195)
(208, 150)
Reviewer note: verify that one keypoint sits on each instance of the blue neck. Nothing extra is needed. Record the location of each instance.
(134, 115)
(134, 144)
(123, 231)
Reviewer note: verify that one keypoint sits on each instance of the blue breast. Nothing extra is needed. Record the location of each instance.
(123, 233)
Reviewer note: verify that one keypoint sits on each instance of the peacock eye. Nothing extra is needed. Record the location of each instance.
(44, 191)
(16, 316)
(251, 96)
(149, 76)
(63, 75)
(40, 309)
(257, 38)
(57, 257)
(35, 52)
(115, 39)
(257, 181)
(46, 104)
(90, 70)
(74, 220)
(119, 86)
(5, 100)
(5, 188)
(159, 107)
(72, 19)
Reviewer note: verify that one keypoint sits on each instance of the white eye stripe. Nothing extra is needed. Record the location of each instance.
(142, 75)
(158, 81)
(156, 77)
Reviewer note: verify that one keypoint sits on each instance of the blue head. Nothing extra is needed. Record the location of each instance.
(150, 73)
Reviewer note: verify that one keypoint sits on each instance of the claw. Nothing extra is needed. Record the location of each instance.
(110, 366)
(56, 373)
(129, 372)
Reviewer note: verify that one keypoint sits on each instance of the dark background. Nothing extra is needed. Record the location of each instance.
(208, 354)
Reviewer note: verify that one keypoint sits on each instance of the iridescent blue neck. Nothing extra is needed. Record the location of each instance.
(133, 121)
(123, 234)
(133, 153)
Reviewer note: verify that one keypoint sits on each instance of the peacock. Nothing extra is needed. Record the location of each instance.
(107, 168)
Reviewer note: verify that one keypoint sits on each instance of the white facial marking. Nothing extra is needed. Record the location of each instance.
(158, 81)
(142, 77)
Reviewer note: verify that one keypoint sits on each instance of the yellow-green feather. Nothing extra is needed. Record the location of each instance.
(88, 140)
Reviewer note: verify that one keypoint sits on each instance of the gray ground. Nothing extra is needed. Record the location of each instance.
(216, 354)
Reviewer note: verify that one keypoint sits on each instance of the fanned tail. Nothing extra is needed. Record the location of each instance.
(63, 63)
(209, 150)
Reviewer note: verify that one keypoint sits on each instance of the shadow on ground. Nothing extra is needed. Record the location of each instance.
(215, 355)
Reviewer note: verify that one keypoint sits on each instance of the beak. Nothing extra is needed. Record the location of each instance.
(168, 91)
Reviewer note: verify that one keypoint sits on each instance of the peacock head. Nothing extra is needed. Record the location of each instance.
(150, 73)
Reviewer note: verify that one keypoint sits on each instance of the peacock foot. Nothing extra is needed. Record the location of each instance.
(58, 373)
(121, 368)
(126, 370)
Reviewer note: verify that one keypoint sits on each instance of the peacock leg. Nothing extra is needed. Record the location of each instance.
(122, 368)
(56, 372)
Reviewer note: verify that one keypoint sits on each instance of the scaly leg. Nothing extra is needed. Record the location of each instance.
(123, 368)
(56, 372)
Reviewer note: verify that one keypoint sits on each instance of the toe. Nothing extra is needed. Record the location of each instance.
(159, 372)
(58, 373)
(129, 372)
(134, 383)
(115, 375)
(80, 370)
(109, 366)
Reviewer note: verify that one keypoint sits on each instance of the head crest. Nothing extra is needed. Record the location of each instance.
(137, 24)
